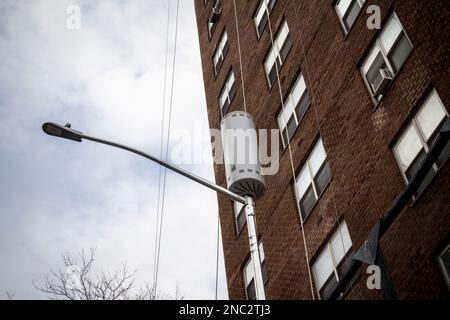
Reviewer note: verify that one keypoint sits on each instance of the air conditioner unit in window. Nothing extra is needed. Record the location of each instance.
(382, 82)
(216, 11)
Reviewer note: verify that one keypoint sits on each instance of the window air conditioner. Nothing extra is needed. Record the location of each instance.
(382, 82)
(216, 11)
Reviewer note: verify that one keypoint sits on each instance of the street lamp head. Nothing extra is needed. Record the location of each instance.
(60, 131)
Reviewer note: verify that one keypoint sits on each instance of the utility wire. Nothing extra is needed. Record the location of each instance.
(291, 159)
(240, 55)
(161, 148)
(217, 253)
(316, 116)
(168, 140)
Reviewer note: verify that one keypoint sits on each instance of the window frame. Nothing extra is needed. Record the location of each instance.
(442, 267)
(312, 182)
(279, 61)
(343, 17)
(337, 265)
(213, 25)
(222, 51)
(263, 269)
(267, 13)
(385, 55)
(426, 144)
(230, 93)
(210, 30)
(237, 214)
(289, 99)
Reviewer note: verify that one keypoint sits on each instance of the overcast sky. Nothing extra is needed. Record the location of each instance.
(107, 80)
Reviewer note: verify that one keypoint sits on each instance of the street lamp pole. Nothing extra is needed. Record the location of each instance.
(67, 132)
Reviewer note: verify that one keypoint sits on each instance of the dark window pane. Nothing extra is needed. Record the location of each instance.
(426, 181)
(251, 292)
(218, 65)
(291, 126)
(232, 91)
(445, 258)
(328, 287)
(323, 178)
(225, 48)
(225, 107)
(287, 45)
(400, 52)
(285, 137)
(302, 106)
(262, 24)
(273, 74)
(241, 219)
(352, 14)
(271, 5)
(344, 265)
(264, 272)
(307, 202)
(443, 157)
(415, 165)
(374, 70)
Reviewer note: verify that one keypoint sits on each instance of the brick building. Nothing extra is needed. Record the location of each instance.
(361, 109)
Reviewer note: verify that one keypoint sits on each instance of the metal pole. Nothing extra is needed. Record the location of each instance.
(172, 167)
(254, 249)
(67, 133)
(248, 202)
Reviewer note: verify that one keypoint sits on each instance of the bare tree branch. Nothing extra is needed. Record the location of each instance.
(76, 283)
(9, 295)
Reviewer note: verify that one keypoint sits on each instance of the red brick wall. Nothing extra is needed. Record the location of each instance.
(356, 135)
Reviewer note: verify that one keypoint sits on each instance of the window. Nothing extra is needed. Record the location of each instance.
(278, 53)
(220, 53)
(294, 109)
(261, 16)
(249, 275)
(216, 11)
(348, 11)
(211, 28)
(444, 264)
(386, 57)
(330, 265)
(240, 217)
(227, 94)
(313, 179)
(416, 140)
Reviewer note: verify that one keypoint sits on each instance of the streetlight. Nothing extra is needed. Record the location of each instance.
(66, 132)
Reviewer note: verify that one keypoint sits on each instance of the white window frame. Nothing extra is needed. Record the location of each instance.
(307, 166)
(249, 267)
(263, 9)
(226, 91)
(379, 47)
(328, 249)
(211, 28)
(290, 107)
(239, 209)
(414, 122)
(275, 50)
(445, 274)
(341, 16)
(219, 52)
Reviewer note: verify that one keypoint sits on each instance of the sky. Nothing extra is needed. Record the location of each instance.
(105, 78)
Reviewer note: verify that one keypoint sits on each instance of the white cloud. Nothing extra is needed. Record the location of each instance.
(107, 79)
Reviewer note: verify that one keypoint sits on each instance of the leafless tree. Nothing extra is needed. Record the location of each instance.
(77, 283)
(10, 295)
